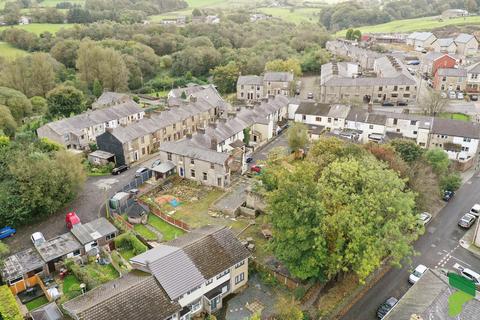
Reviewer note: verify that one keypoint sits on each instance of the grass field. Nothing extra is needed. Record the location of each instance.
(53, 3)
(296, 15)
(169, 232)
(35, 303)
(410, 25)
(455, 116)
(39, 28)
(8, 51)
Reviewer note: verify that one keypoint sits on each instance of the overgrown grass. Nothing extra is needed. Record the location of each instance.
(39, 28)
(294, 15)
(419, 24)
(70, 288)
(35, 303)
(145, 233)
(8, 51)
(126, 253)
(169, 232)
(455, 116)
(103, 273)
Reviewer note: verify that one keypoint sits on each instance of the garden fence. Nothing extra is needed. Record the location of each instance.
(170, 220)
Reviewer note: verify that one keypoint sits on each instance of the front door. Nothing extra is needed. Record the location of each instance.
(181, 172)
(51, 267)
(214, 304)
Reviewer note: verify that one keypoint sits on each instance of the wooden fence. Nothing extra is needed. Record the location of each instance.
(122, 221)
(281, 278)
(170, 220)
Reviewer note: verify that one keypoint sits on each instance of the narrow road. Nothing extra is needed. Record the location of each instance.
(437, 248)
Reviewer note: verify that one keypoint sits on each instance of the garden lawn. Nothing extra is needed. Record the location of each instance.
(105, 273)
(455, 116)
(35, 303)
(39, 28)
(8, 51)
(169, 232)
(145, 233)
(418, 24)
(294, 15)
(71, 287)
(127, 254)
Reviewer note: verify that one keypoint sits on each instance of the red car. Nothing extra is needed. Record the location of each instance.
(71, 219)
(256, 168)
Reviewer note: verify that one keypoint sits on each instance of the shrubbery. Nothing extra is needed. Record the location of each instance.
(9, 309)
(82, 274)
(129, 241)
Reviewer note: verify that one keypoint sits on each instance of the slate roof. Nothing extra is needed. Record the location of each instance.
(58, 247)
(47, 312)
(21, 263)
(109, 97)
(136, 295)
(101, 154)
(433, 55)
(361, 115)
(338, 111)
(464, 38)
(428, 298)
(164, 167)
(88, 119)
(374, 81)
(452, 72)
(187, 149)
(250, 80)
(186, 262)
(445, 42)
(93, 230)
(425, 122)
(456, 128)
(421, 36)
(313, 108)
(474, 68)
(278, 76)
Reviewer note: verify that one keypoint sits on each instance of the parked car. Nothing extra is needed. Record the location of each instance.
(452, 95)
(387, 104)
(133, 191)
(402, 103)
(424, 218)
(71, 219)
(256, 168)
(417, 273)
(140, 171)
(156, 163)
(467, 221)
(386, 307)
(448, 195)
(460, 95)
(37, 238)
(443, 95)
(475, 210)
(6, 232)
(470, 275)
(474, 97)
(413, 63)
(248, 159)
(119, 169)
(310, 95)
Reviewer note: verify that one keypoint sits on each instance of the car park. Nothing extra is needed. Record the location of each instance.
(386, 307)
(119, 169)
(467, 221)
(37, 238)
(6, 232)
(475, 210)
(424, 218)
(448, 195)
(156, 163)
(470, 275)
(417, 273)
(140, 171)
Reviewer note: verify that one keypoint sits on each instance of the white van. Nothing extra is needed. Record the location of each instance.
(475, 210)
(471, 275)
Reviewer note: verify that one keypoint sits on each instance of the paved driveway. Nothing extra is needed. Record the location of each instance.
(87, 205)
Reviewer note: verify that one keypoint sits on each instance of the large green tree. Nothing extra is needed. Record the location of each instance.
(7, 122)
(297, 137)
(225, 77)
(19, 105)
(65, 100)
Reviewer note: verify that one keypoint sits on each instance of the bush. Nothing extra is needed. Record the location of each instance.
(130, 241)
(82, 274)
(299, 292)
(9, 309)
(451, 182)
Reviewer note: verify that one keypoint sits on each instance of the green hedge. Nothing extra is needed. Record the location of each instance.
(129, 241)
(9, 309)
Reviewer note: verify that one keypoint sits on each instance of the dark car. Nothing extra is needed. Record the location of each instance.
(467, 221)
(249, 159)
(448, 195)
(6, 232)
(387, 104)
(119, 169)
(402, 103)
(386, 307)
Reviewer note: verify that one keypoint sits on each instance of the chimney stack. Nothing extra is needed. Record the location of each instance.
(222, 120)
(212, 125)
(231, 114)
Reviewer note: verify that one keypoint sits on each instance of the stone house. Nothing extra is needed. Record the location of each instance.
(430, 62)
(421, 39)
(368, 125)
(473, 79)
(450, 79)
(250, 88)
(444, 45)
(78, 131)
(256, 88)
(110, 99)
(174, 281)
(467, 44)
(344, 48)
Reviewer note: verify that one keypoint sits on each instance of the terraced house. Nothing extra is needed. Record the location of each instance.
(255, 88)
(174, 281)
(79, 131)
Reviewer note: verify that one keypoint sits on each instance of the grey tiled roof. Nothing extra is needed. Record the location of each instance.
(338, 111)
(361, 115)
(456, 128)
(452, 72)
(464, 38)
(188, 149)
(428, 298)
(278, 76)
(474, 68)
(101, 154)
(20, 263)
(445, 42)
(93, 230)
(136, 295)
(421, 36)
(47, 312)
(250, 80)
(109, 97)
(58, 247)
(91, 118)
(356, 82)
(313, 108)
